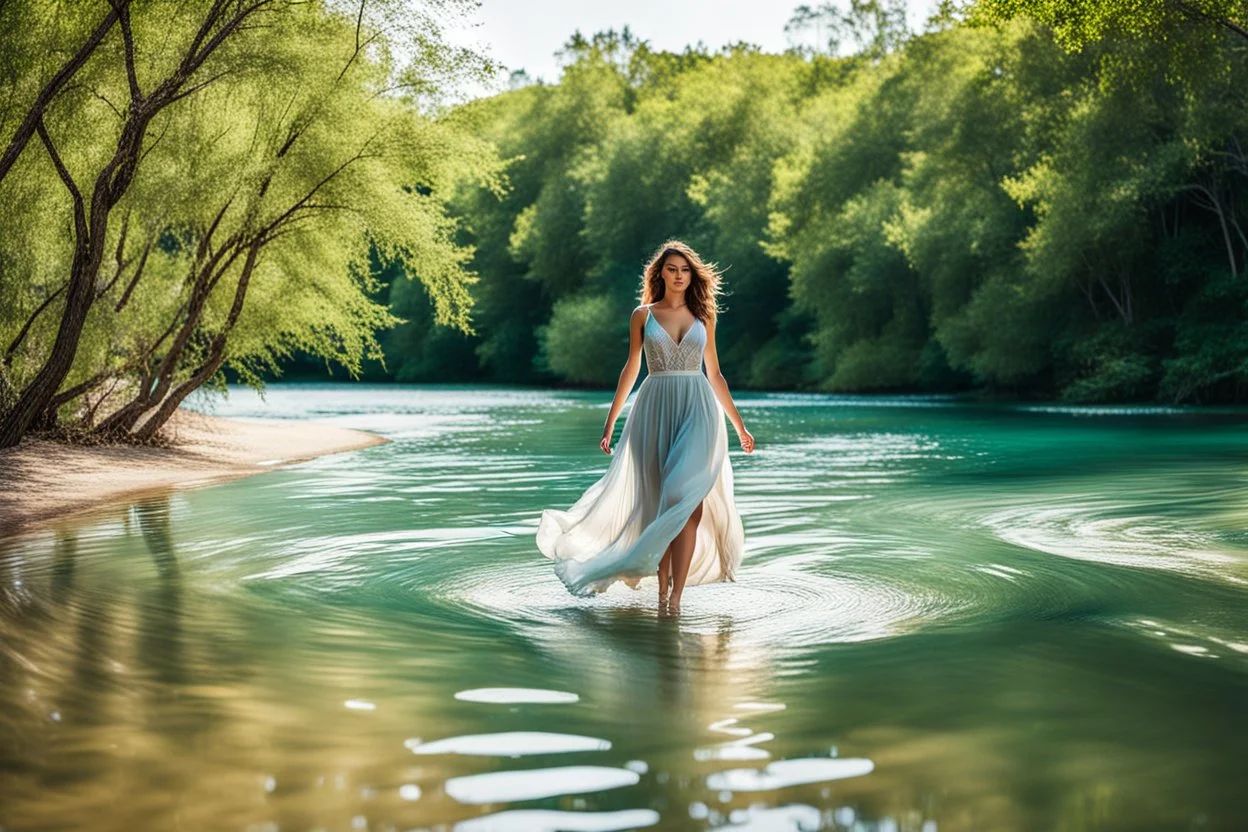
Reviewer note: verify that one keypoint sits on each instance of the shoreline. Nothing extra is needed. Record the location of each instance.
(45, 482)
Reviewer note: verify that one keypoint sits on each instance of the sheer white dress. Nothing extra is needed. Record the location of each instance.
(671, 455)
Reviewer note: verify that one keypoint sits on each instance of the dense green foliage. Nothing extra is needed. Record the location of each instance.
(212, 191)
(979, 207)
(1051, 205)
(1077, 23)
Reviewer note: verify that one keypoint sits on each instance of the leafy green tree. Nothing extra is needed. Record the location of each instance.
(975, 206)
(835, 192)
(1076, 23)
(586, 340)
(245, 224)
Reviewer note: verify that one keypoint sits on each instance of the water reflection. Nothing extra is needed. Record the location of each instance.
(534, 784)
(517, 696)
(161, 649)
(947, 616)
(64, 559)
(545, 820)
(793, 818)
(784, 773)
(509, 744)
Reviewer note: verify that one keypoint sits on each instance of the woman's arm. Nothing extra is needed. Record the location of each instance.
(628, 375)
(720, 385)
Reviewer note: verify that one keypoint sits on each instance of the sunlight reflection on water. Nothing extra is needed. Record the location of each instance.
(935, 594)
(533, 784)
(509, 744)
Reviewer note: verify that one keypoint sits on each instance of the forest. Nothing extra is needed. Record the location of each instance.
(1028, 198)
(992, 205)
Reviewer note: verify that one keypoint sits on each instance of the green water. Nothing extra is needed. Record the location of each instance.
(950, 617)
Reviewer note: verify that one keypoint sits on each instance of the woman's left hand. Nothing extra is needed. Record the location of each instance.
(747, 439)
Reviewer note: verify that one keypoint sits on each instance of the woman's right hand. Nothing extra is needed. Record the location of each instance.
(605, 442)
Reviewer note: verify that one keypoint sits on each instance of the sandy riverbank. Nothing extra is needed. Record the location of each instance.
(43, 481)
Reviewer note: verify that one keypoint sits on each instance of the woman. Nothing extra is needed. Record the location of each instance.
(666, 499)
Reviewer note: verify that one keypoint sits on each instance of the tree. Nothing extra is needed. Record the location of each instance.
(277, 168)
(1077, 23)
(29, 60)
(202, 36)
(972, 207)
(872, 28)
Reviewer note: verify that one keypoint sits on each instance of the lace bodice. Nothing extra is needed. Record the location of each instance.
(663, 355)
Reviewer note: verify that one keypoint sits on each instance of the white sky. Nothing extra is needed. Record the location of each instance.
(525, 34)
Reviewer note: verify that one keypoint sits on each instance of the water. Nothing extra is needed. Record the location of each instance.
(950, 617)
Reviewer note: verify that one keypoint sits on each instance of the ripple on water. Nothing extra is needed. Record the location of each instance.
(534, 784)
(549, 820)
(514, 696)
(796, 817)
(774, 603)
(509, 744)
(354, 556)
(784, 773)
(730, 752)
(1207, 641)
(1119, 533)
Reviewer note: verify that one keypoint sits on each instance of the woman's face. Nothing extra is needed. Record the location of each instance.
(677, 273)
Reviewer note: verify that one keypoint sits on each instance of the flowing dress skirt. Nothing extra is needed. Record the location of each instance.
(672, 454)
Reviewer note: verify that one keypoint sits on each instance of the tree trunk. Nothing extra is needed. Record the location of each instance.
(88, 255)
(124, 419)
(1209, 199)
(216, 353)
(110, 185)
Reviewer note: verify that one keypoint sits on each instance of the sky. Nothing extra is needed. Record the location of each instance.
(525, 34)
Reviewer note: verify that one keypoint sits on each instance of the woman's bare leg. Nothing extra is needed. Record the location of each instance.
(665, 574)
(682, 555)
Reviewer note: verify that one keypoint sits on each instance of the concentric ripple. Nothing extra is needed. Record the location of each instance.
(773, 603)
(1121, 533)
(935, 595)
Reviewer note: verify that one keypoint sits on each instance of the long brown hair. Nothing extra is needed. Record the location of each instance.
(704, 290)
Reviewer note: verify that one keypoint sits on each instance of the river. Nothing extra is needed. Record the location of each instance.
(950, 616)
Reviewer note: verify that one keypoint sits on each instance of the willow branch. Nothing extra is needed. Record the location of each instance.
(35, 115)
